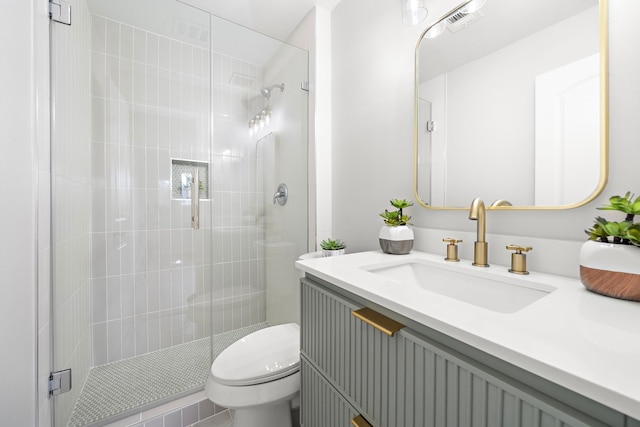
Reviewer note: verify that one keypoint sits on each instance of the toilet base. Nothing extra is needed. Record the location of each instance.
(276, 415)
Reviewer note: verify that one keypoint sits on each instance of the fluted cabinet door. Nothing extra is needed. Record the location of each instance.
(321, 405)
(407, 380)
(351, 354)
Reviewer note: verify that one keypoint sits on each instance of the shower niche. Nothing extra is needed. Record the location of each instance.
(182, 173)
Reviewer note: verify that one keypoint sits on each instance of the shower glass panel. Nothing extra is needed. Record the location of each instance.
(260, 112)
(150, 99)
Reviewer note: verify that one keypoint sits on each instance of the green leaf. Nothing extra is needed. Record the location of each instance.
(400, 204)
(633, 234)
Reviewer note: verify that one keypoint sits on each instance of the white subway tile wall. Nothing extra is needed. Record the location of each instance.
(152, 275)
(200, 413)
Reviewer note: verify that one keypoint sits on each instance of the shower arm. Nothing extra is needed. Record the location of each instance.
(266, 91)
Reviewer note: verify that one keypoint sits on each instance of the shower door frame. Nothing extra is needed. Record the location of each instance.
(56, 148)
(55, 194)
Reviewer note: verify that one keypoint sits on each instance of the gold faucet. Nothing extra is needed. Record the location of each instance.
(477, 212)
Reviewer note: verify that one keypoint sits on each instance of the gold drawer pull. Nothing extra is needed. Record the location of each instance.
(378, 321)
(359, 421)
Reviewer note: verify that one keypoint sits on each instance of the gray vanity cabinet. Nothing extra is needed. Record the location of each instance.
(323, 405)
(349, 368)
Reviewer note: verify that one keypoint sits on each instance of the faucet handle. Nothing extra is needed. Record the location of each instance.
(452, 249)
(519, 259)
(519, 249)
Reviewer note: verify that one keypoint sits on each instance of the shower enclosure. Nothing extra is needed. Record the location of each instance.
(162, 113)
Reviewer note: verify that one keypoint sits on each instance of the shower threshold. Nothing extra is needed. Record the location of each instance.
(124, 388)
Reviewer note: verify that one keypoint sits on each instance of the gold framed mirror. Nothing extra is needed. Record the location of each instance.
(511, 105)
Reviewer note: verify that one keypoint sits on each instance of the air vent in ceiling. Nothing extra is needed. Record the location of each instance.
(190, 31)
(460, 20)
(242, 80)
(456, 17)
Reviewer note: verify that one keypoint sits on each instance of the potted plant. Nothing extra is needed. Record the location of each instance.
(396, 237)
(610, 259)
(331, 247)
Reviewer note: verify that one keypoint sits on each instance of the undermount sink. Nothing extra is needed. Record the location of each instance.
(472, 285)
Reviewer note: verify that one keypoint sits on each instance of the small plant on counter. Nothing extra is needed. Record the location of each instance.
(397, 217)
(623, 232)
(332, 245)
(395, 236)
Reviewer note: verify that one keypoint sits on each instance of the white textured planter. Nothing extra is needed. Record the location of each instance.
(396, 240)
(611, 269)
(336, 252)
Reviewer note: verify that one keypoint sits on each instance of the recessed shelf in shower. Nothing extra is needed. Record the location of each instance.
(182, 171)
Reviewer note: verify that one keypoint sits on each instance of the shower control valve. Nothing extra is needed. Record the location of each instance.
(281, 195)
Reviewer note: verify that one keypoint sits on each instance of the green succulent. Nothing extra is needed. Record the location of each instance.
(400, 204)
(624, 204)
(397, 218)
(332, 245)
(624, 232)
(602, 230)
(633, 234)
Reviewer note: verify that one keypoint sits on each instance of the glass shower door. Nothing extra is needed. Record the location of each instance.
(154, 102)
(260, 110)
(71, 204)
(131, 275)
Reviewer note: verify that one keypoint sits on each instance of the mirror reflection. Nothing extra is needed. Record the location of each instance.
(509, 106)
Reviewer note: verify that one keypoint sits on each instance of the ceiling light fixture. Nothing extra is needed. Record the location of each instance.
(413, 11)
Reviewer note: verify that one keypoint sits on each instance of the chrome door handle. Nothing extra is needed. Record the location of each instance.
(195, 200)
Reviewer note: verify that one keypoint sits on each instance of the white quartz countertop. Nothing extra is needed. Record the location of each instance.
(580, 340)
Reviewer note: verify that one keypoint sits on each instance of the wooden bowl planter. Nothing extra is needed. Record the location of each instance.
(610, 260)
(611, 269)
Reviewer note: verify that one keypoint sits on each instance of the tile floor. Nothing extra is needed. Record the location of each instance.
(123, 387)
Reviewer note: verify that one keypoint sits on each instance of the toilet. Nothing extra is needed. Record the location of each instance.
(258, 376)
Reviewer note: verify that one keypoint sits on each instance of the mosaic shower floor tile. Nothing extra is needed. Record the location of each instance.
(123, 387)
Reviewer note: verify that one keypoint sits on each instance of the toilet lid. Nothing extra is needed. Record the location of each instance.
(263, 356)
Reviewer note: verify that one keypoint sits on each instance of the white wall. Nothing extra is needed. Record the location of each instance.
(372, 116)
(322, 122)
(373, 138)
(314, 35)
(18, 172)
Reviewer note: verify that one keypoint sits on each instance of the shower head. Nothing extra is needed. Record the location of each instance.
(266, 91)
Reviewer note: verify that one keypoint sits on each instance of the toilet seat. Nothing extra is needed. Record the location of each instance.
(263, 356)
